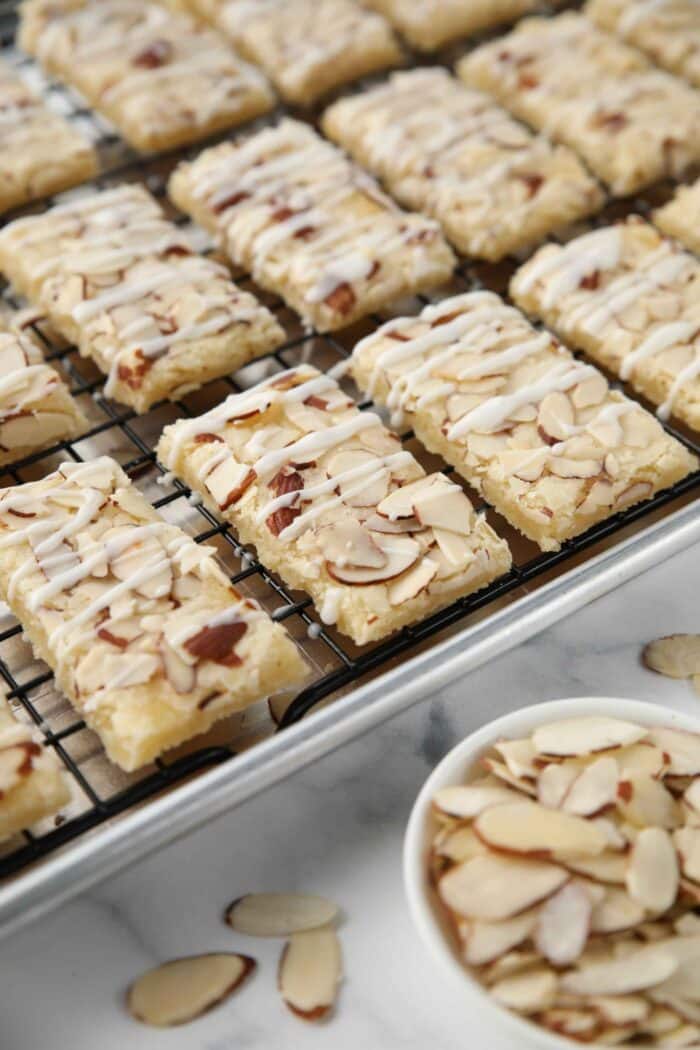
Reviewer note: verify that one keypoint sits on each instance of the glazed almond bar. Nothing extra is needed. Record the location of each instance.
(32, 782)
(632, 124)
(539, 434)
(40, 152)
(36, 408)
(429, 25)
(630, 298)
(306, 47)
(680, 218)
(333, 503)
(119, 279)
(309, 225)
(493, 186)
(667, 30)
(143, 631)
(163, 79)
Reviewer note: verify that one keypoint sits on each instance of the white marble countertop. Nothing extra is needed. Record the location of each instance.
(335, 828)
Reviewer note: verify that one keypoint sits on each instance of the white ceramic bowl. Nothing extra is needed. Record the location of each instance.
(422, 900)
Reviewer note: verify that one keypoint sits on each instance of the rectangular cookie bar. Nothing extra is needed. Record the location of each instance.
(539, 434)
(667, 30)
(36, 407)
(32, 782)
(334, 504)
(163, 79)
(429, 25)
(493, 186)
(119, 280)
(632, 124)
(309, 225)
(143, 631)
(40, 152)
(631, 299)
(306, 47)
(680, 218)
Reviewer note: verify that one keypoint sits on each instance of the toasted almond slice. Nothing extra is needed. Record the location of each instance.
(181, 990)
(460, 845)
(622, 1010)
(616, 912)
(607, 867)
(631, 973)
(594, 788)
(279, 914)
(652, 875)
(554, 782)
(563, 924)
(466, 801)
(583, 736)
(503, 773)
(486, 941)
(530, 828)
(310, 971)
(682, 748)
(519, 756)
(676, 656)
(528, 993)
(687, 842)
(644, 801)
(494, 888)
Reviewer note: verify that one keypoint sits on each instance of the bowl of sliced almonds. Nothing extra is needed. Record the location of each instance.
(552, 866)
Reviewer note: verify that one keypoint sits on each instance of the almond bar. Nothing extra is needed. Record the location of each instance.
(143, 631)
(163, 79)
(36, 407)
(120, 280)
(632, 124)
(334, 504)
(630, 298)
(493, 186)
(40, 152)
(680, 218)
(309, 225)
(539, 434)
(668, 31)
(33, 784)
(427, 26)
(306, 47)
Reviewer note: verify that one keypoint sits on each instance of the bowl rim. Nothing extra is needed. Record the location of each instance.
(451, 770)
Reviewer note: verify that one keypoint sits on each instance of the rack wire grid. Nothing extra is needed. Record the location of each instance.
(102, 792)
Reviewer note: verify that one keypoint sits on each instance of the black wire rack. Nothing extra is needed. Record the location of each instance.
(102, 792)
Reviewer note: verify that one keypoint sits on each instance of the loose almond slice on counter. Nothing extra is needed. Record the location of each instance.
(184, 989)
(279, 914)
(486, 941)
(594, 788)
(584, 736)
(652, 875)
(682, 748)
(563, 925)
(493, 888)
(532, 829)
(631, 973)
(466, 801)
(676, 656)
(528, 993)
(310, 972)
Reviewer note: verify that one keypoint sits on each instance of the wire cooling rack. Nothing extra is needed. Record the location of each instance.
(101, 792)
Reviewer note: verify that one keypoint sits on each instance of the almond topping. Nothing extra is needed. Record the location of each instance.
(677, 655)
(218, 643)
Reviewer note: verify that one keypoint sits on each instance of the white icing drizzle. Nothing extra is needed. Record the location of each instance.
(330, 606)
(565, 268)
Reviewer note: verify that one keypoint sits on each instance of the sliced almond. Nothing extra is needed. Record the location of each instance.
(578, 1024)
(622, 1010)
(606, 868)
(527, 993)
(279, 914)
(310, 972)
(631, 973)
(146, 553)
(181, 990)
(683, 985)
(553, 784)
(412, 582)
(676, 656)
(353, 494)
(682, 748)
(691, 795)
(594, 788)
(641, 758)
(563, 925)
(503, 773)
(582, 736)
(519, 756)
(687, 842)
(460, 845)
(346, 542)
(401, 552)
(565, 467)
(14, 763)
(466, 801)
(555, 416)
(616, 912)
(227, 481)
(530, 828)
(652, 875)
(494, 888)
(486, 941)
(644, 801)
(444, 506)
